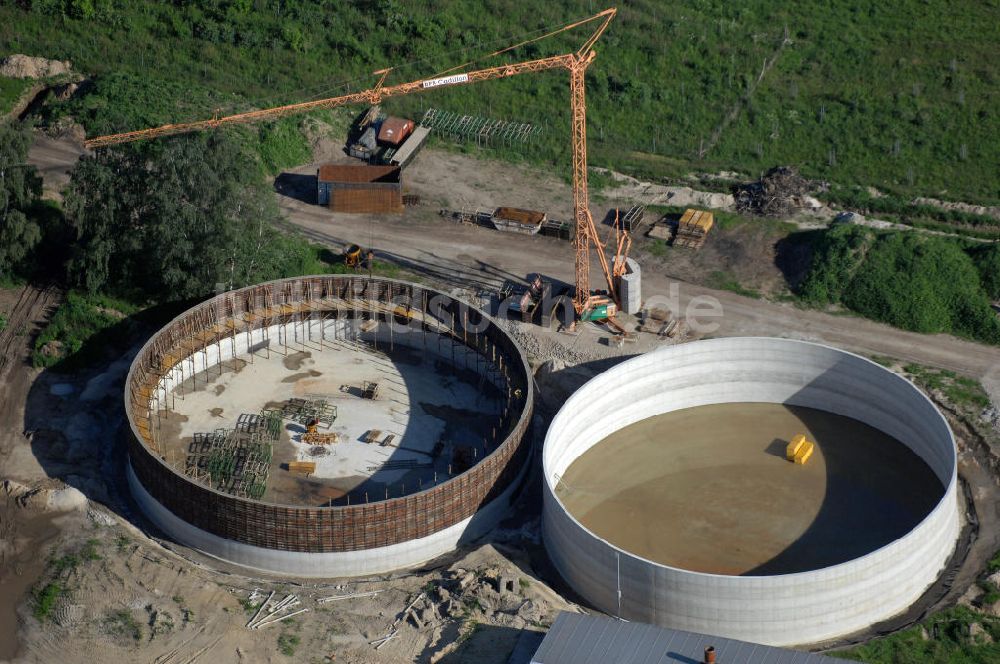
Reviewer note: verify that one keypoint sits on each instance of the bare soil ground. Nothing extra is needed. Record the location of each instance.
(129, 599)
(26, 309)
(134, 597)
(470, 257)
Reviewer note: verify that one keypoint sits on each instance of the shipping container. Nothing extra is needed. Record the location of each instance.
(360, 188)
(519, 215)
(406, 153)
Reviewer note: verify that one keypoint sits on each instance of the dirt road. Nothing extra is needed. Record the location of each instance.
(54, 158)
(467, 256)
(26, 309)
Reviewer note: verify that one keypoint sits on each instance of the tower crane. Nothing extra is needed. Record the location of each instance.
(587, 306)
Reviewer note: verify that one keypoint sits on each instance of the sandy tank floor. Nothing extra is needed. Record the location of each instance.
(708, 489)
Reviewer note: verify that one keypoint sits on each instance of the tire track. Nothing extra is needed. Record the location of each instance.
(33, 306)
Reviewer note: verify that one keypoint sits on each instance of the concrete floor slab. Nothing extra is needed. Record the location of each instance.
(709, 489)
(422, 400)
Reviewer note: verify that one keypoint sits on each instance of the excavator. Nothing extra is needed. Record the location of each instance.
(588, 305)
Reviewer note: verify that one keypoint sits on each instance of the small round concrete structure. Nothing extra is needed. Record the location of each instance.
(336, 314)
(782, 609)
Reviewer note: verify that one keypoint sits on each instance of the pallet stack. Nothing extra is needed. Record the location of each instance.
(693, 228)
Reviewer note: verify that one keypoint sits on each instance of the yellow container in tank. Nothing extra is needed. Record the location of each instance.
(804, 452)
(793, 447)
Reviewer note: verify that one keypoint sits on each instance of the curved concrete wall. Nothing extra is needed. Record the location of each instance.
(788, 609)
(339, 540)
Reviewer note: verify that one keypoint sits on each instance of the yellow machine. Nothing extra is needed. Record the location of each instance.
(352, 256)
(799, 449)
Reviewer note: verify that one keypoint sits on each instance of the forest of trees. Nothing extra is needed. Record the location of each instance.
(20, 189)
(175, 219)
(141, 225)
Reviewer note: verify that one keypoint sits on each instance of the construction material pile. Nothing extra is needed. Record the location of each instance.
(779, 192)
(693, 228)
(659, 322)
(236, 461)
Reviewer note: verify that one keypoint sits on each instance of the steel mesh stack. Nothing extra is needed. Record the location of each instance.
(236, 461)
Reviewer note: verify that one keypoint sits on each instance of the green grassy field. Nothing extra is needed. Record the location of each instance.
(900, 96)
(11, 90)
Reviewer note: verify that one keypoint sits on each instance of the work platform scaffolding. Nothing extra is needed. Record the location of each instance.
(484, 131)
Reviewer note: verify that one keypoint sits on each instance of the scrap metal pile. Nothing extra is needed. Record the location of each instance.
(779, 192)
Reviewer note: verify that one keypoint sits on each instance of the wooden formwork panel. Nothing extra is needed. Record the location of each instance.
(367, 199)
(339, 528)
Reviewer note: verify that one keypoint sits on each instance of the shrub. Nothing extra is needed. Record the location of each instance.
(987, 260)
(287, 643)
(909, 280)
(46, 598)
(122, 623)
(77, 321)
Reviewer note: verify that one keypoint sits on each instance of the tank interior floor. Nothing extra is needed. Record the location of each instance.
(708, 489)
(422, 400)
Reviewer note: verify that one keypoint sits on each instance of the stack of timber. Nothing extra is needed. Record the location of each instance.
(306, 468)
(693, 228)
(314, 438)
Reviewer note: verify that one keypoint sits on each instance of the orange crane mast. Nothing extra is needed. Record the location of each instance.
(576, 63)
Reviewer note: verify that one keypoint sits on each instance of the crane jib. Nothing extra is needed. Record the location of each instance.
(447, 80)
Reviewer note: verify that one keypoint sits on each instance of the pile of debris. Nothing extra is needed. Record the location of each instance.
(490, 595)
(779, 192)
(25, 66)
(659, 322)
(271, 610)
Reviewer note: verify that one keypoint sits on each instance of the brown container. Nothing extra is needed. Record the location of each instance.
(340, 173)
(354, 188)
(394, 131)
(362, 199)
(520, 215)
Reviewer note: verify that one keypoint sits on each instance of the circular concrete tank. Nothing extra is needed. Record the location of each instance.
(270, 341)
(807, 606)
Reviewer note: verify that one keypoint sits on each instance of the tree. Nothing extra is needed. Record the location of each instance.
(172, 219)
(987, 260)
(20, 188)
